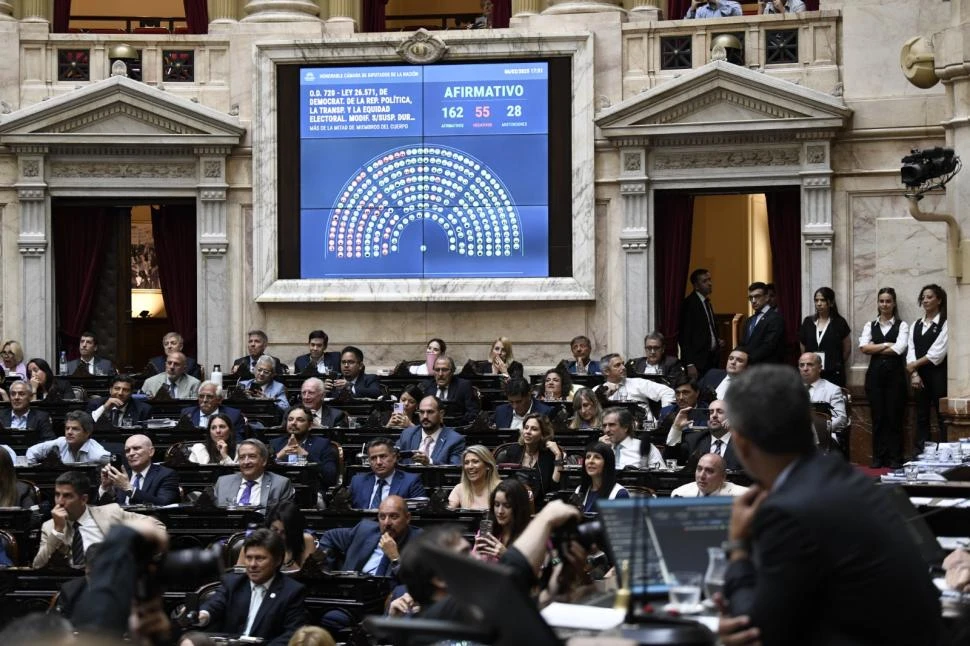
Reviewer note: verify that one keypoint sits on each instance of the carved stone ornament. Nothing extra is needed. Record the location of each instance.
(31, 168)
(816, 154)
(631, 162)
(85, 170)
(422, 48)
(212, 169)
(727, 159)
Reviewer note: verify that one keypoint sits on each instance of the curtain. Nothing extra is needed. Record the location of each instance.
(784, 231)
(673, 222)
(173, 228)
(676, 10)
(501, 14)
(80, 234)
(811, 5)
(197, 16)
(62, 16)
(373, 18)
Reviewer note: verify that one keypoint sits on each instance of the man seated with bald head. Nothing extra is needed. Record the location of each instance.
(210, 403)
(142, 482)
(716, 438)
(822, 391)
(710, 479)
(373, 547)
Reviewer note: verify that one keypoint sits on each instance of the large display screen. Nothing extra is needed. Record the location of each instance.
(437, 171)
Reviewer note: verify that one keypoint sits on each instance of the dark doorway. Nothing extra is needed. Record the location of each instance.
(121, 271)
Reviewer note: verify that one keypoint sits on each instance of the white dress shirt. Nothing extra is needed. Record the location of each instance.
(937, 352)
(257, 593)
(90, 532)
(424, 442)
(722, 387)
(254, 494)
(691, 490)
(902, 338)
(90, 451)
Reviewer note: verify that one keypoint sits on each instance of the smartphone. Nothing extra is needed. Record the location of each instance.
(485, 526)
(406, 455)
(399, 407)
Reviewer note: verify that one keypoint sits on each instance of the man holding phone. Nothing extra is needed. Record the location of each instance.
(686, 413)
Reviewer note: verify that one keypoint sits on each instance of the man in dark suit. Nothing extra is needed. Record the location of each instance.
(382, 456)
(210, 403)
(318, 361)
(245, 367)
(324, 416)
(353, 379)
(656, 362)
(253, 485)
(142, 483)
(119, 408)
(764, 333)
(688, 411)
(89, 362)
(715, 439)
(369, 547)
(21, 425)
(818, 553)
(697, 334)
(301, 443)
(431, 441)
(455, 392)
(581, 364)
(171, 343)
(521, 403)
(262, 602)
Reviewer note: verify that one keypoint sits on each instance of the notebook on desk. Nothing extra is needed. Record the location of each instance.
(660, 535)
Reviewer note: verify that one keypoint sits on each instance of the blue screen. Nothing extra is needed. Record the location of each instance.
(424, 171)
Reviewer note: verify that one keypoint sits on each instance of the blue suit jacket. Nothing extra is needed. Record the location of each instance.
(365, 386)
(320, 451)
(503, 413)
(404, 484)
(274, 390)
(447, 450)
(357, 543)
(280, 614)
(461, 400)
(139, 410)
(332, 359)
(194, 413)
(160, 487)
(592, 369)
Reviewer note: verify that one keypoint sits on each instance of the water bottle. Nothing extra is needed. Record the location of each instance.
(216, 376)
(62, 363)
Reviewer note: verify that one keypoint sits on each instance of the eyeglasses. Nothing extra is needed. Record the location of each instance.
(653, 348)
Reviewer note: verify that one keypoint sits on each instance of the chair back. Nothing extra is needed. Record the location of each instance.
(502, 453)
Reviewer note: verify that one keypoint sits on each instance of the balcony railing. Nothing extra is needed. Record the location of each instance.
(802, 48)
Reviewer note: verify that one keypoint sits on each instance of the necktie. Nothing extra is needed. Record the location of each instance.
(173, 390)
(580, 368)
(116, 417)
(376, 500)
(618, 452)
(77, 546)
(135, 486)
(751, 324)
(255, 601)
(247, 492)
(442, 392)
(426, 447)
(710, 321)
(718, 445)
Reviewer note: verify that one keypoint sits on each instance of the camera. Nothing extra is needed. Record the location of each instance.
(587, 534)
(192, 568)
(921, 166)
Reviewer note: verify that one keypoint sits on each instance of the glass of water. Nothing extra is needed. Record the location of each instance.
(685, 590)
(912, 472)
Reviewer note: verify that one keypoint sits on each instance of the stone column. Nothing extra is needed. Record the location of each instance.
(213, 278)
(222, 11)
(344, 18)
(643, 10)
(37, 314)
(280, 10)
(522, 8)
(6, 10)
(583, 6)
(638, 254)
(817, 231)
(35, 10)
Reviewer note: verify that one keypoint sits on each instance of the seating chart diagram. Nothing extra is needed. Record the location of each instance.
(425, 172)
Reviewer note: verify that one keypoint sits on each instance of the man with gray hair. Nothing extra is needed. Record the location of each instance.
(210, 403)
(76, 446)
(21, 421)
(311, 394)
(173, 342)
(253, 485)
(175, 381)
(263, 386)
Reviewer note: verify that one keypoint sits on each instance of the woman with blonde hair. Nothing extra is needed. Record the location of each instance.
(500, 360)
(311, 636)
(479, 476)
(587, 412)
(12, 357)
